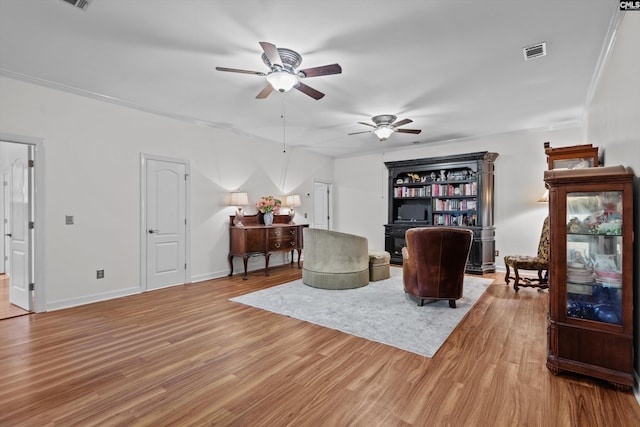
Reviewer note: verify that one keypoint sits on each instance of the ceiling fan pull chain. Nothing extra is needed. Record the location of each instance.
(284, 127)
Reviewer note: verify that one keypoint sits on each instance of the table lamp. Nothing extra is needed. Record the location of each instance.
(292, 201)
(238, 199)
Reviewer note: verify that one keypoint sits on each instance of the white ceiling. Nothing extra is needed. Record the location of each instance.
(456, 68)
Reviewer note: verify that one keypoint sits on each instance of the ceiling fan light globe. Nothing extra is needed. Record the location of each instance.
(383, 132)
(282, 81)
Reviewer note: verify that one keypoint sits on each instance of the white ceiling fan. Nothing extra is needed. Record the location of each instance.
(385, 125)
(284, 75)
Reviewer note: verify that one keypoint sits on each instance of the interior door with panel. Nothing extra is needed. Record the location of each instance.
(166, 223)
(321, 205)
(19, 230)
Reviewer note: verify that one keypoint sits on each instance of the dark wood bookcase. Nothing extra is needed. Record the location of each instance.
(455, 191)
(590, 328)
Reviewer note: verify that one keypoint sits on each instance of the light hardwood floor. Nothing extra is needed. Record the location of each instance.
(6, 308)
(188, 356)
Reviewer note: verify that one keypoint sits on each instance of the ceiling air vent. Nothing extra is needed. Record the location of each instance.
(535, 51)
(82, 4)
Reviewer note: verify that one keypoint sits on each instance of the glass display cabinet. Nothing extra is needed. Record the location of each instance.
(591, 273)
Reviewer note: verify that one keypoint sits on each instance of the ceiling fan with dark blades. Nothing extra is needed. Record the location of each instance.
(385, 124)
(283, 74)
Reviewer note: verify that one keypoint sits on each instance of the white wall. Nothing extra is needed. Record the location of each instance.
(614, 124)
(361, 186)
(93, 172)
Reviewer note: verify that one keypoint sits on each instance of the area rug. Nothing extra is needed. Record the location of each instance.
(380, 311)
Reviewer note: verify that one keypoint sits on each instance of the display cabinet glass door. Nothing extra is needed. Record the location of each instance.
(594, 256)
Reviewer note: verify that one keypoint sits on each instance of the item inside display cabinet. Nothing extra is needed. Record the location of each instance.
(594, 275)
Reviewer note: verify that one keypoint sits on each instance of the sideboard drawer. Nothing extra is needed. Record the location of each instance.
(283, 232)
(282, 245)
(282, 238)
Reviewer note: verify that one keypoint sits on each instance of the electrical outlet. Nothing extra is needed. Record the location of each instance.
(100, 274)
(497, 253)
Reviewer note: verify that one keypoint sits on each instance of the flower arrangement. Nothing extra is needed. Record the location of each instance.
(269, 204)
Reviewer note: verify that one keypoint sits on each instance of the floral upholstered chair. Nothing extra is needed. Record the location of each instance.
(540, 263)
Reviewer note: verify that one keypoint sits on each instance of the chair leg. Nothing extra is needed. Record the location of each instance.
(517, 281)
(506, 276)
(452, 303)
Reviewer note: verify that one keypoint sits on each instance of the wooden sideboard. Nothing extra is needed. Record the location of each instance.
(255, 238)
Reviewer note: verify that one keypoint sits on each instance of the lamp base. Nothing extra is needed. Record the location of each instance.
(237, 221)
(291, 215)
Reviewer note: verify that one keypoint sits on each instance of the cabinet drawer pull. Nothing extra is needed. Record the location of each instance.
(277, 245)
(277, 232)
(292, 232)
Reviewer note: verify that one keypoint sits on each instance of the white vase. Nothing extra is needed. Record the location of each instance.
(268, 218)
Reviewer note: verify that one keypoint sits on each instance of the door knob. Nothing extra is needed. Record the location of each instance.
(8, 234)
(151, 231)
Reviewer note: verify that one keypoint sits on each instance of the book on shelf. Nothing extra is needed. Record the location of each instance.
(463, 189)
(401, 192)
(455, 219)
(454, 204)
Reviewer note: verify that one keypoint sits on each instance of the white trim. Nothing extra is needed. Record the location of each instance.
(40, 302)
(104, 296)
(143, 218)
(605, 54)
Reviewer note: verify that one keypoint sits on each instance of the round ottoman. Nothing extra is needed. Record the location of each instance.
(379, 265)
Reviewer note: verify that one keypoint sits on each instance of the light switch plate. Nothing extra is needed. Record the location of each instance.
(68, 219)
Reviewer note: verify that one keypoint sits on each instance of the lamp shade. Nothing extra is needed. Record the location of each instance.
(238, 199)
(545, 197)
(282, 81)
(383, 132)
(292, 200)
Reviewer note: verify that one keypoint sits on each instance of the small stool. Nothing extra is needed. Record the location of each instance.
(379, 265)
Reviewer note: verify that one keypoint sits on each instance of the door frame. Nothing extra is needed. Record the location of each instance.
(39, 241)
(143, 215)
(4, 216)
(329, 186)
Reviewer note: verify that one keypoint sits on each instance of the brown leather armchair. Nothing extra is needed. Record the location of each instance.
(434, 261)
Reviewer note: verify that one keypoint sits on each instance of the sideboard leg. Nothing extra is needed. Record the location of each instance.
(266, 263)
(245, 259)
(230, 258)
(299, 254)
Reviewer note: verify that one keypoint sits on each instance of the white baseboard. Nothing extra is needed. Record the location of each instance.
(73, 302)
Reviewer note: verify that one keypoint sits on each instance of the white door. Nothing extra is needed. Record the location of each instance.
(321, 205)
(166, 223)
(20, 236)
(4, 224)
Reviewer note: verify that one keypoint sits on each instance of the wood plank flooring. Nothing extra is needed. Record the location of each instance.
(6, 308)
(187, 356)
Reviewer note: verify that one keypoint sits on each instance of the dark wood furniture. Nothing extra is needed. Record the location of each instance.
(573, 157)
(590, 328)
(444, 191)
(255, 238)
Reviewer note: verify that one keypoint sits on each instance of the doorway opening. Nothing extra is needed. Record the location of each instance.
(21, 222)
